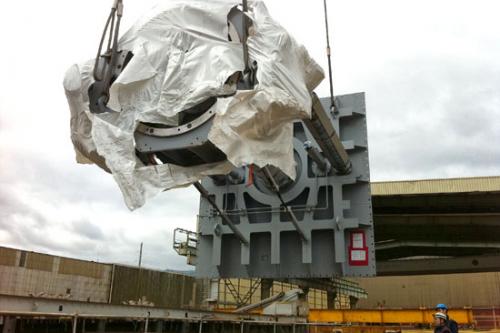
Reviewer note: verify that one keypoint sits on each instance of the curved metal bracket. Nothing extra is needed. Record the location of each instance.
(110, 64)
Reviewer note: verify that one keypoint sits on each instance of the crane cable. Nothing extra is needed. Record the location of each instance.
(112, 47)
(328, 54)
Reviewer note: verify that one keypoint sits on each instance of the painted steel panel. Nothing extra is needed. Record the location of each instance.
(38, 275)
(8, 257)
(39, 261)
(328, 207)
(387, 316)
(82, 268)
(132, 285)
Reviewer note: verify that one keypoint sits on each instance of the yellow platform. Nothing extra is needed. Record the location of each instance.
(386, 316)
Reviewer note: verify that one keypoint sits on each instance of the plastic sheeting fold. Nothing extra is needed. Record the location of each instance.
(182, 56)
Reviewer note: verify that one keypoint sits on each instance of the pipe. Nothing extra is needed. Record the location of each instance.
(323, 132)
(262, 303)
(316, 156)
(288, 209)
(146, 324)
(75, 322)
(204, 193)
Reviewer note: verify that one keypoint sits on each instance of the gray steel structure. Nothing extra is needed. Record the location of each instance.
(276, 227)
(71, 316)
(314, 240)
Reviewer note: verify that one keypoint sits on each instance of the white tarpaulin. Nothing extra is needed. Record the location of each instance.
(182, 56)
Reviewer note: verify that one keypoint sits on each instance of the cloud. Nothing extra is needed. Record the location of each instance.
(12, 205)
(439, 121)
(431, 77)
(88, 230)
(62, 208)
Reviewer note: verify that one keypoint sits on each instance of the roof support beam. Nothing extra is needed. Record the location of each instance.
(471, 264)
(395, 244)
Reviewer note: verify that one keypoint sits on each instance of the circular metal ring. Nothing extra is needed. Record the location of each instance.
(178, 130)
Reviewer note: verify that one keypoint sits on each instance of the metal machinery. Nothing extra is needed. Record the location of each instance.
(319, 225)
(255, 221)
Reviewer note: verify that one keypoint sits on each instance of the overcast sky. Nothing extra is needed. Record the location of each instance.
(430, 70)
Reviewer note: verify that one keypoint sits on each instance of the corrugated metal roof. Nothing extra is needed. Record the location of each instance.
(431, 186)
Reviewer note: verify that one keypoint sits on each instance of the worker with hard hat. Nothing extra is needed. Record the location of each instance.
(452, 325)
(440, 320)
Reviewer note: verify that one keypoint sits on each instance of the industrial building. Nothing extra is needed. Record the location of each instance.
(292, 235)
(452, 225)
(442, 261)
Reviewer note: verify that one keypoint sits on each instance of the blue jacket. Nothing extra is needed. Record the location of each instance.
(452, 325)
(442, 329)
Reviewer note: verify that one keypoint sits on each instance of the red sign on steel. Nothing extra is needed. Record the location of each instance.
(358, 251)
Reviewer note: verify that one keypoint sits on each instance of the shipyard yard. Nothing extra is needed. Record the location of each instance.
(46, 293)
(203, 166)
